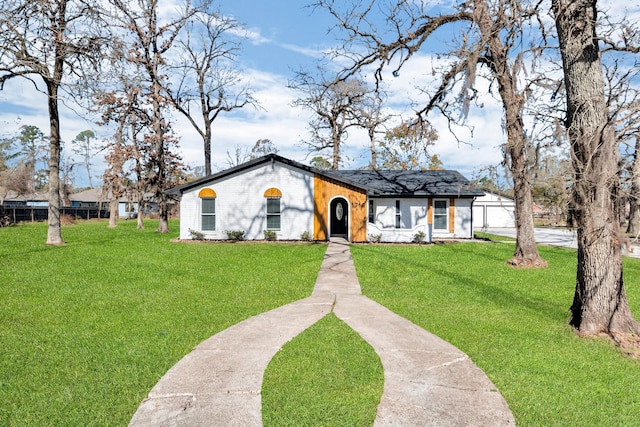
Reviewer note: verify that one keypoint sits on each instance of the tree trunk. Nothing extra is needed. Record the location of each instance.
(113, 212)
(207, 146)
(526, 252)
(54, 233)
(634, 198)
(600, 302)
(160, 161)
(139, 221)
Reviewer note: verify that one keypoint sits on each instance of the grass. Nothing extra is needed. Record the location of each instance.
(513, 324)
(326, 376)
(87, 329)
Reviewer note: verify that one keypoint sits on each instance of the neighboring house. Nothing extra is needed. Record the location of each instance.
(11, 198)
(493, 210)
(95, 197)
(277, 194)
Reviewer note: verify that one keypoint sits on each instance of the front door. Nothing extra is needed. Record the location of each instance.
(339, 218)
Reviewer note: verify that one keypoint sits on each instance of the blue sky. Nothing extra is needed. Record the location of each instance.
(283, 36)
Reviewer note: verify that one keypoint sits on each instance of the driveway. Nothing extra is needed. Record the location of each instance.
(558, 237)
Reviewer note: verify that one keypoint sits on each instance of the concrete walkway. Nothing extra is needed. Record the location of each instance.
(428, 382)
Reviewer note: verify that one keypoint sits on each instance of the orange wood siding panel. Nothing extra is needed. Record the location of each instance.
(452, 215)
(430, 212)
(326, 189)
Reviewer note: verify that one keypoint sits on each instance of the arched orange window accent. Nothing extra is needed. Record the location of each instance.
(206, 193)
(273, 192)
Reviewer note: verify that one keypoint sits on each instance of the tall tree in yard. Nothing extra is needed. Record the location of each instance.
(600, 303)
(209, 81)
(335, 105)
(150, 38)
(47, 42)
(489, 35)
(83, 145)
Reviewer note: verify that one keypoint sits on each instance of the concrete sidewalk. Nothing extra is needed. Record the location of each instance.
(428, 382)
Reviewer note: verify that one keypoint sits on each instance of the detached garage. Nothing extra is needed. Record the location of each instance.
(493, 210)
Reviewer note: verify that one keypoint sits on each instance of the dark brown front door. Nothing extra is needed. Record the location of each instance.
(339, 218)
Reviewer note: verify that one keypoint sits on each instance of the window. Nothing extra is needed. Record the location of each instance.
(208, 204)
(440, 215)
(273, 213)
(372, 212)
(398, 223)
(208, 214)
(273, 196)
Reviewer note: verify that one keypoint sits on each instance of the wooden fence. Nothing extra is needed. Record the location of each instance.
(16, 214)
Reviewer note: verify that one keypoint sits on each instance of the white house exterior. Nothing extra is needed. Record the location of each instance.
(239, 203)
(493, 210)
(289, 199)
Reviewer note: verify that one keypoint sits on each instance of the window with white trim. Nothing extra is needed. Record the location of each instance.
(208, 214)
(372, 212)
(440, 215)
(398, 216)
(273, 213)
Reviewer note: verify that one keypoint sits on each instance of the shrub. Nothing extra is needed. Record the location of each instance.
(5, 221)
(66, 219)
(235, 235)
(196, 235)
(419, 237)
(306, 236)
(270, 235)
(375, 238)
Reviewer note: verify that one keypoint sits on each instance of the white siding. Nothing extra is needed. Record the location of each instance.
(463, 226)
(241, 205)
(492, 210)
(413, 219)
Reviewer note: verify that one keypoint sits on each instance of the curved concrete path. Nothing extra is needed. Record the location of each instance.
(428, 382)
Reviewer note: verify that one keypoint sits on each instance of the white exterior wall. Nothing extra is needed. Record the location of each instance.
(463, 226)
(492, 210)
(241, 205)
(413, 219)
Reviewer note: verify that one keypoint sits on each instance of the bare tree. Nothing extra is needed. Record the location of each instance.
(238, 156)
(372, 118)
(210, 82)
(406, 147)
(600, 303)
(491, 40)
(335, 105)
(262, 147)
(49, 41)
(151, 37)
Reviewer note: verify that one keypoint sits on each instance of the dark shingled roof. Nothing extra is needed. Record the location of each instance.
(427, 183)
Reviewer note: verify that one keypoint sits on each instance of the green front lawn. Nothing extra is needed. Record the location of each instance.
(87, 329)
(513, 324)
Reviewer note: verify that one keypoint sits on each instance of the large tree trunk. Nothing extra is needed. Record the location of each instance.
(600, 302)
(54, 233)
(526, 252)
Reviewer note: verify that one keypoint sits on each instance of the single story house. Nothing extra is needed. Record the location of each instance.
(494, 210)
(276, 194)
